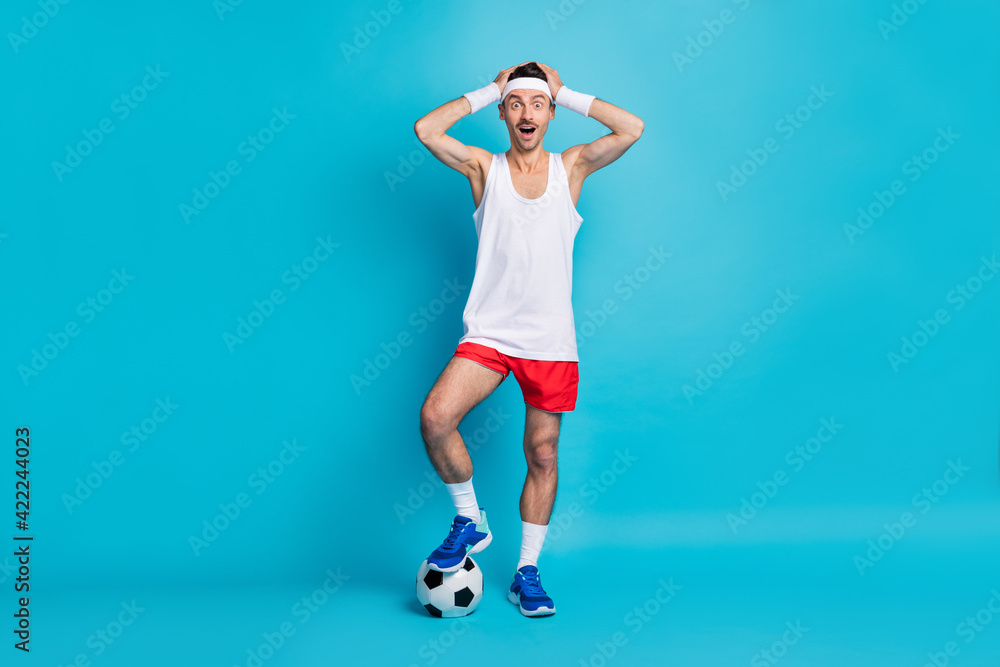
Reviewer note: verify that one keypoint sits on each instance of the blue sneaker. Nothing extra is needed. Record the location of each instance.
(526, 592)
(466, 537)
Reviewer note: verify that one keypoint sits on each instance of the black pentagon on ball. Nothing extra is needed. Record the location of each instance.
(433, 579)
(434, 611)
(468, 565)
(464, 597)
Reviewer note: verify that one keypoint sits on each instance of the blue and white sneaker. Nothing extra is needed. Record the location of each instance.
(527, 593)
(466, 537)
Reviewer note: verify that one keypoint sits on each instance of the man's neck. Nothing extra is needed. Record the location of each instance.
(528, 161)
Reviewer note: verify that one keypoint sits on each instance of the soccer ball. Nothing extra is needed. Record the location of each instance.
(450, 594)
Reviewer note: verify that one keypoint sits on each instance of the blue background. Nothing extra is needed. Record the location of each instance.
(359, 497)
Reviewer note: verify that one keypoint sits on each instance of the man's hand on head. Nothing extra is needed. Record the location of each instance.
(552, 76)
(504, 76)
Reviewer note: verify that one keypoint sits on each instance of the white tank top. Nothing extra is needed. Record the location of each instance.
(520, 301)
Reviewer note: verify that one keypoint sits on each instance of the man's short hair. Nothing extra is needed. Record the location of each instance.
(531, 70)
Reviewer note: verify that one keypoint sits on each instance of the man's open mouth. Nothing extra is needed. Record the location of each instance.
(526, 130)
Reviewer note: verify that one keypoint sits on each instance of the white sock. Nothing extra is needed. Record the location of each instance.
(465, 499)
(532, 536)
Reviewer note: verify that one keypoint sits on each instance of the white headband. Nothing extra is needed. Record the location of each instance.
(529, 83)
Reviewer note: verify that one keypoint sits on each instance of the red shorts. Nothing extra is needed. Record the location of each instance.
(546, 385)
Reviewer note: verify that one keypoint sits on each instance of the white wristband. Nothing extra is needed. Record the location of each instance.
(486, 95)
(575, 101)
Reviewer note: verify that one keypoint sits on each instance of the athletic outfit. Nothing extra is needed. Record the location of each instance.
(519, 316)
(519, 319)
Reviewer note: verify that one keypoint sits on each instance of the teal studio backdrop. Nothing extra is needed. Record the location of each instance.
(232, 274)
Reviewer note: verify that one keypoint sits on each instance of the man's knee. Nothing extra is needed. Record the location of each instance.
(541, 454)
(435, 422)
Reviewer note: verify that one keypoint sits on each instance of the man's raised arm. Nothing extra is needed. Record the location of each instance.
(431, 129)
(626, 128)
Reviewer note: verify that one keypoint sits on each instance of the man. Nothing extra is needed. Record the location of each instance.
(519, 316)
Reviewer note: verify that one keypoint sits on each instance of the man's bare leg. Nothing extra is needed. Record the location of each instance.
(541, 440)
(462, 385)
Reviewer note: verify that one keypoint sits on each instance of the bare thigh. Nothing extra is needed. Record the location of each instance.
(462, 385)
(541, 428)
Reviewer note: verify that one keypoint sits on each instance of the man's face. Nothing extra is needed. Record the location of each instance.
(527, 113)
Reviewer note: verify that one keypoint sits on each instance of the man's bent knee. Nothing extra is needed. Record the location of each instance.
(435, 423)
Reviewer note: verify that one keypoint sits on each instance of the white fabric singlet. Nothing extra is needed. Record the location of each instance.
(520, 302)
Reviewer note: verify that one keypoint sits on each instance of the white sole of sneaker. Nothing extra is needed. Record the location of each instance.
(541, 611)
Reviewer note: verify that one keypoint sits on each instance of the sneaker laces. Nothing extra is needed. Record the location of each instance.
(531, 583)
(457, 529)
